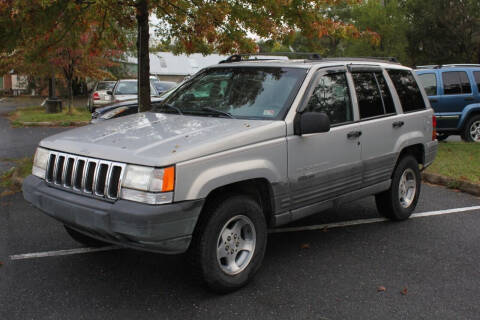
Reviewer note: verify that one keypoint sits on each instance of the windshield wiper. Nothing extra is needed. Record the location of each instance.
(228, 114)
(172, 107)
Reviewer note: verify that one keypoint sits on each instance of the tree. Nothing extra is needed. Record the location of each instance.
(443, 31)
(71, 38)
(226, 26)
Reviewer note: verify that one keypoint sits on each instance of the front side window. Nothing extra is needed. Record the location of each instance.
(241, 92)
(331, 96)
(407, 89)
(456, 82)
(429, 82)
(369, 95)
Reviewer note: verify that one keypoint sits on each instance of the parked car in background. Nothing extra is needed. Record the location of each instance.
(127, 89)
(242, 147)
(124, 108)
(163, 86)
(99, 96)
(454, 93)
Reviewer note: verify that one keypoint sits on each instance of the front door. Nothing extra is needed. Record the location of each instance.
(325, 165)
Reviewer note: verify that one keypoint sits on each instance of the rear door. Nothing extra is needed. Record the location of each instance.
(380, 123)
(325, 165)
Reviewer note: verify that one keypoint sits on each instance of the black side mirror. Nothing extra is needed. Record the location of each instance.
(110, 92)
(311, 122)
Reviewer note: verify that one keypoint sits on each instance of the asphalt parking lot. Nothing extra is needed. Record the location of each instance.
(428, 265)
(331, 273)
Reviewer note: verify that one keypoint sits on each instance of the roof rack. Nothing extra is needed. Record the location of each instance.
(307, 56)
(271, 56)
(455, 65)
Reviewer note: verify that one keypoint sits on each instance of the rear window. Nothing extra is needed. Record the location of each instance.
(456, 82)
(476, 75)
(407, 89)
(373, 95)
(429, 82)
(105, 85)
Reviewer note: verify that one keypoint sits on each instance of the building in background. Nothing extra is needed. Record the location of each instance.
(169, 67)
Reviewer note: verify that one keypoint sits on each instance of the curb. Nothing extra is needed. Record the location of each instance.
(465, 186)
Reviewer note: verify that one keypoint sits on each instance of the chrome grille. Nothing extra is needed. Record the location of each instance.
(96, 177)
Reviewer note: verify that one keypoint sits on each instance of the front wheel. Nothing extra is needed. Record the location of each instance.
(471, 132)
(229, 243)
(398, 202)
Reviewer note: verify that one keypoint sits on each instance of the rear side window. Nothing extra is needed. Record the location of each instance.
(476, 74)
(429, 82)
(373, 95)
(407, 89)
(331, 95)
(456, 82)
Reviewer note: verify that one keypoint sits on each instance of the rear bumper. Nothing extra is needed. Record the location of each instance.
(431, 149)
(161, 228)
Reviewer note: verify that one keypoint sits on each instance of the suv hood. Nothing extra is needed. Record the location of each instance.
(159, 139)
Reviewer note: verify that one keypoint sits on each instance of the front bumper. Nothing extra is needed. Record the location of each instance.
(162, 228)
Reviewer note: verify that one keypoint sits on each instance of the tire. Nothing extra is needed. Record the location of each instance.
(399, 206)
(85, 240)
(223, 228)
(471, 132)
(442, 136)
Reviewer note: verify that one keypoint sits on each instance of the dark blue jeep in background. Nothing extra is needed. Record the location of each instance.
(454, 93)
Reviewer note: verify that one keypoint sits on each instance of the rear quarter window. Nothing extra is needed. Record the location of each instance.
(476, 75)
(407, 89)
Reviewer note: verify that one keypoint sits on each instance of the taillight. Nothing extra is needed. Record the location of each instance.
(434, 125)
(96, 96)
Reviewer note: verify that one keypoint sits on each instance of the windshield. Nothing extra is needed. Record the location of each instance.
(126, 87)
(163, 86)
(105, 85)
(241, 92)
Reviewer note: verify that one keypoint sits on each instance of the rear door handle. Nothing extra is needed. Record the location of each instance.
(398, 124)
(354, 134)
(469, 99)
(433, 100)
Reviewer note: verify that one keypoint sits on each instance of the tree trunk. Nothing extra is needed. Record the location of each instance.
(70, 95)
(143, 74)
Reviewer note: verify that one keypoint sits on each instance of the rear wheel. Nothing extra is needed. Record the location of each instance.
(83, 239)
(398, 202)
(471, 132)
(229, 243)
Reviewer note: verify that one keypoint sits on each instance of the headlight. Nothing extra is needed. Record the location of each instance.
(149, 185)
(112, 113)
(40, 163)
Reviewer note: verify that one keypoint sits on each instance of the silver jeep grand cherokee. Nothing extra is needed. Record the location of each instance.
(242, 147)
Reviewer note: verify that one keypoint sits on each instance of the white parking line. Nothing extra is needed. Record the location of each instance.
(278, 230)
(60, 252)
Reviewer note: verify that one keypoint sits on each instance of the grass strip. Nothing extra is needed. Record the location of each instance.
(37, 116)
(11, 180)
(458, 160)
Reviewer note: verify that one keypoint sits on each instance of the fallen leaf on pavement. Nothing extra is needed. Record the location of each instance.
(381, 289)
(305, 246)
(404, 291)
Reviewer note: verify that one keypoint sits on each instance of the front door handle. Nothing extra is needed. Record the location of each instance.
(433, 100)
(398, 124)
(354, 134)
(469, 99)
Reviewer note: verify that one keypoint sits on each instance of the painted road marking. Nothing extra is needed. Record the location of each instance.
(61, 252)
(278, 230)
